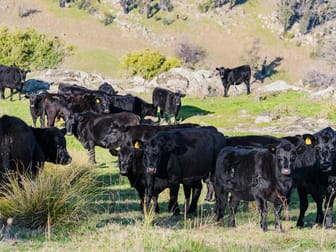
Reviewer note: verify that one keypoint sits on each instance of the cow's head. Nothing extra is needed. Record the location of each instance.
(305, 150)
(325, 149)
(154, 150)
(53, 144)
(129, 158)
(285, 155)
(99, 102)
(221, 71)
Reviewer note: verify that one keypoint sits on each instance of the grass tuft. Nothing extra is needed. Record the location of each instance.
(55, 197)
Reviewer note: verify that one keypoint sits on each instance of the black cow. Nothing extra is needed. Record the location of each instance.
(36, 108)
(132, 104)
(61, 106)
(24, 149)
(107, 88)
(168, 102)
(54, 106)
(319, 180)
(69, 89)
(130, 162)
(93, 129)
(235, 76)
(13, 78)
(34, 86)
(254, 174)
(183, 156)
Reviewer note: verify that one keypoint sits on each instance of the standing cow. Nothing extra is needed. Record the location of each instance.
(183, 156)
(13, 78)
(168, 102)
(24, 149)
(235, 76)
(104, 130)
(254, 174)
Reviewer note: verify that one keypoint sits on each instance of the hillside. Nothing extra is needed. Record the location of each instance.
(225, 35)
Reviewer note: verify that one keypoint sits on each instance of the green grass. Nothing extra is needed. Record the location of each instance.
(117, 225)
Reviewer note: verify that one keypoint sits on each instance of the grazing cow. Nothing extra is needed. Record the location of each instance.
(132, 104)
(168, 102)
(183, 156)
(254, 174)
(235, 76)
(13, 78)
(93, 129)
(107, 88)
(130, 162)
(24, 149)
(319, 180)
(34, 86)
(36, 108)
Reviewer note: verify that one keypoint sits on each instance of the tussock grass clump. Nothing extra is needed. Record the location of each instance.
(56, 197)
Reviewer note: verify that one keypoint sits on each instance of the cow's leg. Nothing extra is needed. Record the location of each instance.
(234, 203)
(42, 122)
(221, 201)
(196, 192)
(210, 189)
(92, 153)
(303, 206)
(141, 194)
(262, 206)
(11, 94)
(329, 209)
(173, 204)
(150, 180)
(277, 214)
(34, 120)
(226, 90)
(2, 93)
(187, 194)
(247, 83)
(319, 210)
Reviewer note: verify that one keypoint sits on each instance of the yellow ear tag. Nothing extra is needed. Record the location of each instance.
(97, 101)
(137, 145)
(308, 141)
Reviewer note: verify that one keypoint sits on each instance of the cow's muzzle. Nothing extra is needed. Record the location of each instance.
(151, 170)
(285, 171)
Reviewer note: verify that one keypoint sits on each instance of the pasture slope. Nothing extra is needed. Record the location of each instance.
(117, 225)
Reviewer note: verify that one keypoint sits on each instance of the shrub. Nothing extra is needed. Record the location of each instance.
(57, 196)
(29, 49)
(147, 63)
(190, 54)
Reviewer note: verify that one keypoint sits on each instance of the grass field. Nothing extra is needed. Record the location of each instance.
(117, 225)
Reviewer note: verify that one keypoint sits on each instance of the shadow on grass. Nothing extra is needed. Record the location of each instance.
(189, 111)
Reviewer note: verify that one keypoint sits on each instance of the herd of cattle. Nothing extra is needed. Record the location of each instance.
(156, 157)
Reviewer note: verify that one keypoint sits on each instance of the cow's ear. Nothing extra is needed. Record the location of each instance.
(182, 95)
(271, 148)
(218, 69)
(309, 139)
(63, 131)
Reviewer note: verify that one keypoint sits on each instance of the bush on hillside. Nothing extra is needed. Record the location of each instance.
(190, 54)
(56, 197)
(147, 63)
(29, 49)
